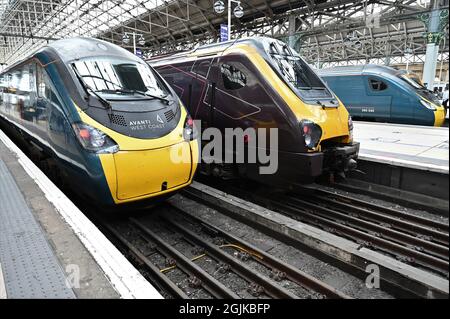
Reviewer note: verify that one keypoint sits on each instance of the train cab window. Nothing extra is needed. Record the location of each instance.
(377, 85)
(233, 78)
(128, 73)
(123, 77)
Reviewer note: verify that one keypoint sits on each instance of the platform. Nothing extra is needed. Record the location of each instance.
(416, 147)
(48, 248)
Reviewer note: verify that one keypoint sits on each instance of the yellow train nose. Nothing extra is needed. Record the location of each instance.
(142, 173)
(439, 116)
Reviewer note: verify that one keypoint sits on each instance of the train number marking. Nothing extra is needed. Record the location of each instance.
(368, 110)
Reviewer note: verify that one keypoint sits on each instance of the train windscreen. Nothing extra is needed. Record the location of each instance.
(419, 88)
(297, 72)
(119, 77)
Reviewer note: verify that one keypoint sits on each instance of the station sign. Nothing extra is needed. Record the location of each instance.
(139, 53)
(223, 33)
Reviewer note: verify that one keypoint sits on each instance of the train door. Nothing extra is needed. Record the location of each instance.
(226, 78)
(242, 101)
(33, 89)
(175, 75)
(404, 101)
(16, 100)
(27, 89)
(42, 91)
(403, 105)
(240, 95)
(379, 98)
(200, 92)
(51, 114)
(3, 90)
(7, 92)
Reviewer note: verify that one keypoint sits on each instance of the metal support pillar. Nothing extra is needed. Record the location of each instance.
(435, 21)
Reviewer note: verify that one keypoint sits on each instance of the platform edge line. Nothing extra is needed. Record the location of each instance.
(123, 276)
(3, 294)
(403, 163)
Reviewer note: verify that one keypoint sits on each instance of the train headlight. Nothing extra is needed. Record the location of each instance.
(311, 132)
(190, 132)
(94, 140)
(428, 105)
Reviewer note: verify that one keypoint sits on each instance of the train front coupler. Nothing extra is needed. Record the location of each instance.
(341, 158)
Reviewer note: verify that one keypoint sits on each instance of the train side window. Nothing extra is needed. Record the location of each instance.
(43, 83)
(40, 81)
(377, 85)
(3, 87)
(16, 75)
(8, 83)
(33, 78)
(233, 78)
(202, 68)
(24, 81)
(3, 83)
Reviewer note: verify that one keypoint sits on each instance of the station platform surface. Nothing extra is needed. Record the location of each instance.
(48, 248)
(417, 147)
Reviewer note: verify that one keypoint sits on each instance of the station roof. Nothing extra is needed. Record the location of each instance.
(334, 30)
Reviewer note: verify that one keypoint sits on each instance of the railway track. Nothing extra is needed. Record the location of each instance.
(435, 230)
(409, 238)
(191, 258)
(371, 230)
(407, 199)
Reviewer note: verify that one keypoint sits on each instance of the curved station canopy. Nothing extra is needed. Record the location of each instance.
(323, 31)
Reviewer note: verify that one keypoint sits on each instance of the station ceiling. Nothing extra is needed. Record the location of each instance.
(333, 30)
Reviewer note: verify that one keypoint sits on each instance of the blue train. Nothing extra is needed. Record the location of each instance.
(105, 119)
(384, 94)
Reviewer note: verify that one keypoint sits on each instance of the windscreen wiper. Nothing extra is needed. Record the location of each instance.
(88, 89)
(275, 52)
(100, 78)
(324, 106)
(130, 91)
(161, 98)
(288, 49)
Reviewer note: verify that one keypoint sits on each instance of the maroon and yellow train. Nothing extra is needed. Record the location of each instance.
(263, 83)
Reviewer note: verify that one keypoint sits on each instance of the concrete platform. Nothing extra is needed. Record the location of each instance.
(416, 147)
(48, 248)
